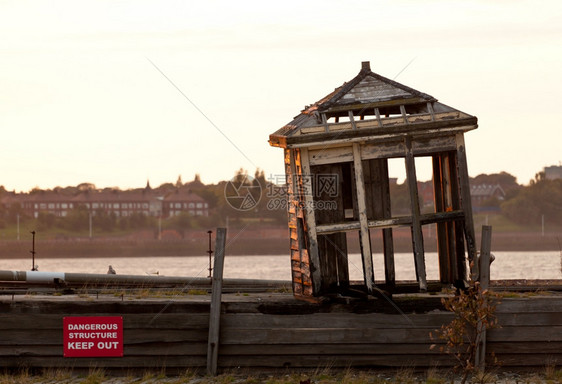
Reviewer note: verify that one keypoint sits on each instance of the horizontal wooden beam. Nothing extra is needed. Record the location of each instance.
(402, 221)
(381, 150)
(375, 135)
(370, 106)
(381, 123)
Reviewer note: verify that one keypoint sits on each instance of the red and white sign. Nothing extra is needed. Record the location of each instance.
(93, 336)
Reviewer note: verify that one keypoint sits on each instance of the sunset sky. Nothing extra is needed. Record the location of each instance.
(116, 93)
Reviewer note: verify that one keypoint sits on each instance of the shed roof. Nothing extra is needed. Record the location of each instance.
(370, 89)
(387, 102)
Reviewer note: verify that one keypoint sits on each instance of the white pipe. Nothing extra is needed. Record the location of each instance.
(43, 277)
(85, 278)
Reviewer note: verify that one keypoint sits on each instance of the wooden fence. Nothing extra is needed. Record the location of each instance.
(272, 331)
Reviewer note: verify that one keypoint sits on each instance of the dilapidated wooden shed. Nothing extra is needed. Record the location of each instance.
(336, 162)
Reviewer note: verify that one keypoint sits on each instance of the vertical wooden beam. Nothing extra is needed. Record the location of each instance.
(310, 221)
(484, 278)
(378, 115)
(417, 235)
(388, 242)
(365, 239)
(215, 311)
(485, 256)
(466, 204)
(377, 191)
(404, 115)
(431, 111)
(351, 119)
(325, 122)
(456, 228)
(445, 267)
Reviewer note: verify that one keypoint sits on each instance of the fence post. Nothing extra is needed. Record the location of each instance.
(215, 311)
(484, 279)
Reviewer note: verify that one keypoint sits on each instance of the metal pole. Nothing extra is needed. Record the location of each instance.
(160, 226)
(18, 225)
(210, 252)
(33, 268)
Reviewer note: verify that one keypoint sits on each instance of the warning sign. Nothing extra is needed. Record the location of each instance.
(93, 336)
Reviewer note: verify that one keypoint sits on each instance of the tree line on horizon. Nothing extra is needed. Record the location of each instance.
(524, 205)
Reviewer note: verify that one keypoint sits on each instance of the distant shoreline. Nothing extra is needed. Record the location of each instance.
(127, 247)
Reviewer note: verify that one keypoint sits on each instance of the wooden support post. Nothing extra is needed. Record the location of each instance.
(484, 278)
(445, 268)
(466, 204)
(485, 256)
(325, 122)
(351, 119)
(417, 235)
(404, 115)
(310, 221)
(458, 258)
(388, 242)
(378, 115)
(215, 311)
(430, 110)
(365, 239)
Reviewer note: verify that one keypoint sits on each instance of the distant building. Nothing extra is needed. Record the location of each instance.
(119, 203)
(483, 192)
(179, 202)
(553, 172)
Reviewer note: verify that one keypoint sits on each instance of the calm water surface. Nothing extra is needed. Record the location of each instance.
(508, 265)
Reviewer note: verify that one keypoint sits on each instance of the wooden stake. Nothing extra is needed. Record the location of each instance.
(215, 311)
(484, 261)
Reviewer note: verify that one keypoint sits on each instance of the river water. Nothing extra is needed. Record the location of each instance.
(507, 265)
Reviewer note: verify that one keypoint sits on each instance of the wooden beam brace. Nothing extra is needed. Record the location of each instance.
(431, 111)
(365, 239)
(404, 114)
(417, 235)
(352, 120)
(393, 222)
(466, 205)
(378, 115)
(325, 122)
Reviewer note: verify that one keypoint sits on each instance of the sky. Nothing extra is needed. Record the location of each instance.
(118, 93)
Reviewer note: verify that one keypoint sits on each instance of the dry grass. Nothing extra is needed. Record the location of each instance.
(321, 375)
